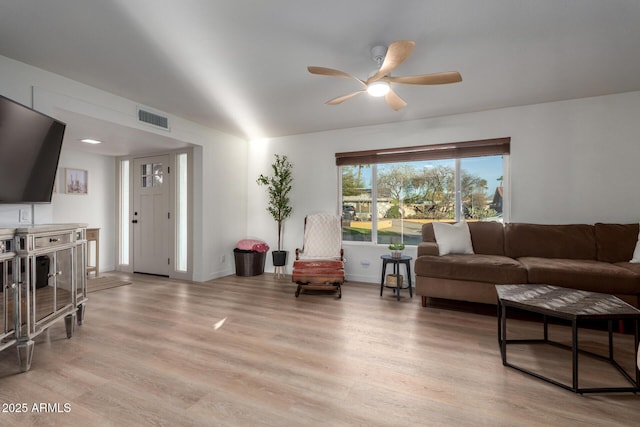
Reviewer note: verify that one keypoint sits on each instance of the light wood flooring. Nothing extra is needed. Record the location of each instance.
(243, 351)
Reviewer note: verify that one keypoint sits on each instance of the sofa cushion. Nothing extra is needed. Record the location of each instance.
(480, 268)
(453, 238)
(636, 253)
(487, 237)
(633, 267)
(428, 248)
(427, 232)
(588, 275)
(569, 241)
(616, 242)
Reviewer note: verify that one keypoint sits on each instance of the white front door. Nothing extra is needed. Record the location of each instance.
(151, 217)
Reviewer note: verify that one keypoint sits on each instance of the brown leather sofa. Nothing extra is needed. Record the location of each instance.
(580, 256)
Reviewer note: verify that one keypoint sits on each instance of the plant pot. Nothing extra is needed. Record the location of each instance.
(396, 254)
(279, 258)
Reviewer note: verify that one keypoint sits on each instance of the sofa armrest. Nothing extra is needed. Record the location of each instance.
(428, 248)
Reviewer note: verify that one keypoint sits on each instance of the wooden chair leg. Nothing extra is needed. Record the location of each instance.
(424, 301)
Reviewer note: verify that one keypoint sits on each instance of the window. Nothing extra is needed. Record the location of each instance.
(357, 203)
(151, 175)
(124, 212)
(387, 195)
(182, 219)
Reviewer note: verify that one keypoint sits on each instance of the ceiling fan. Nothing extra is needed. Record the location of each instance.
(379, 84)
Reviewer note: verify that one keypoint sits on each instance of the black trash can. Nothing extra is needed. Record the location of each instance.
(249, 263)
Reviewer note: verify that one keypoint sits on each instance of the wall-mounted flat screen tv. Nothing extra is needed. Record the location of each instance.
(30, 145)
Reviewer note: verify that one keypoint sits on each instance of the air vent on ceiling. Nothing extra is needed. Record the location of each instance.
(153, 119)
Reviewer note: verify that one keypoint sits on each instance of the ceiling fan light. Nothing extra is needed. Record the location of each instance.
(378, 88)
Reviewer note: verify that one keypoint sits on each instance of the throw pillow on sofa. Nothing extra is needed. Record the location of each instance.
(453, 238)
(636, 254)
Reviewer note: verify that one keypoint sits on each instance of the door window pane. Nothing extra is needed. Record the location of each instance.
(151, 175)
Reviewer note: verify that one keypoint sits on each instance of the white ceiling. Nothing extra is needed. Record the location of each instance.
(240, 66)
(116, 140)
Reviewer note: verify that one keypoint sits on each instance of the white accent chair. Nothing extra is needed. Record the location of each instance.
(319, 265)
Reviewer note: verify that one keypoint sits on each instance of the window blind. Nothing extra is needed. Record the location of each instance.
(484, 147)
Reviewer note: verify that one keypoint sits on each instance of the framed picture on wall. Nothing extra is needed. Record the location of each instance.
(75, 181)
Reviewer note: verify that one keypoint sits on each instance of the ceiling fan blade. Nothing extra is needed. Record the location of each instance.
(323, 71)
(396, 54)
(341, 99)
(394, 101)
(427, 79)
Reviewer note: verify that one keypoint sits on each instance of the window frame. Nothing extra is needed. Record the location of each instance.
(449, 151)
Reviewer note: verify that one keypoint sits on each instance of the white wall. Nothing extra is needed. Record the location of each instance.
(97, 208)
(224, 206)
(13, 85)
(571, 162)
(219, 166)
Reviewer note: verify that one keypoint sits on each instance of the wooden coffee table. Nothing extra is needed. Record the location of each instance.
(575, 306)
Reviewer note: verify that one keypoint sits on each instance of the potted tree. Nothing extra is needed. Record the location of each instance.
(278, 187)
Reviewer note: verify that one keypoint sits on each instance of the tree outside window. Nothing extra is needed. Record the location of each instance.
(409, 194)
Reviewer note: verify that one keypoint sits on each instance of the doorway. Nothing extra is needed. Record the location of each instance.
(155, 214)
(151, 215)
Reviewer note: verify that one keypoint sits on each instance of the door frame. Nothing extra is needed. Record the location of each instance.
(151, 214)
(124, 223)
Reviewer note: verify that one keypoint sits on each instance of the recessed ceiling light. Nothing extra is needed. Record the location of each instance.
(91, 141)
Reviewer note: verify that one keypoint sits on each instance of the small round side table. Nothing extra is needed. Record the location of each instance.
(406, 260)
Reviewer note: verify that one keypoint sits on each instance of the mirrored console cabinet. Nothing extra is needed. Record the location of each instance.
(8, 289)
(43, 271)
